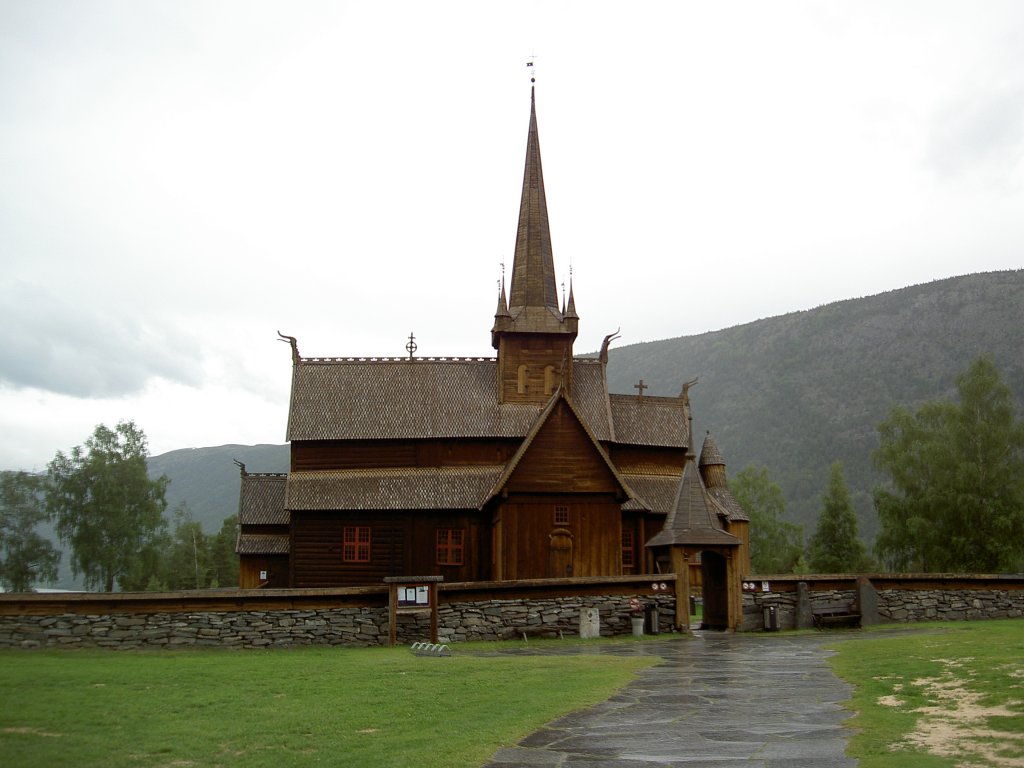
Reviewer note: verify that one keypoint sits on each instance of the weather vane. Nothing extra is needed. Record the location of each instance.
(530, 61)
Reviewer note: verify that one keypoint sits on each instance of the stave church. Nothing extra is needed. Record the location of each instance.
(516, 466)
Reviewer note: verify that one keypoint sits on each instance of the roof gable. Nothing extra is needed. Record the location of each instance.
(561, 455)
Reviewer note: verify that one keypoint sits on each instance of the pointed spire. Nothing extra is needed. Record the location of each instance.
(693, 518)
(533, 271)
(712, 472)
(709, 453)
(502, 310)
(570, 311)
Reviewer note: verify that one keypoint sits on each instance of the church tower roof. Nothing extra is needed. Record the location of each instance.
(712, 472)
(533, 272)
(532, 300)
(693, 519)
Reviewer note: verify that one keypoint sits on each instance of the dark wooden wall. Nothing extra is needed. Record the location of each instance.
(337, 454)
(403, 544)
(249, 568)
(536, 351)
(534, 544)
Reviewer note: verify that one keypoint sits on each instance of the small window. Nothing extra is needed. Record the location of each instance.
(561, 515)
(628, 550)
(549, 379)
(450, 546)
(356, 544)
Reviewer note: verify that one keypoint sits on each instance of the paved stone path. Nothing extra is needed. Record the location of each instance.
(718, 700)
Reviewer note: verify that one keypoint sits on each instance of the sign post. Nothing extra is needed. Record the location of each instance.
(412, 595)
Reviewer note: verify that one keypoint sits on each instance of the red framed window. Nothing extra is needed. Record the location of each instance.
(628, 550)
(561, 515)
(356, 544)
(450, 546)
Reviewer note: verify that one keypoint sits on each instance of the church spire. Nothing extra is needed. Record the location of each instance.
(533, 271)
(532, 334)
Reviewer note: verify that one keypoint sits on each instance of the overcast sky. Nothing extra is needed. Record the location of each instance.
(179, 180)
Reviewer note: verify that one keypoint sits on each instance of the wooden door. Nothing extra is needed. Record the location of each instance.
(560, 553)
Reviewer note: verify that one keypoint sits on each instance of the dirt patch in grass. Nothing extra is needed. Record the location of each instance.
(957, 725)
(31, 732)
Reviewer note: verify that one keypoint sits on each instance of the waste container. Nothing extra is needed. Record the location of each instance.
(651, 619)
(771, 619)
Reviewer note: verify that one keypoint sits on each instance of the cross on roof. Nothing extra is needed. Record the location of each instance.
(411, 346)
(640, 387)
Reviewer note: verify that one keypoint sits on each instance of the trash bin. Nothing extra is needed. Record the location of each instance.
(771, 619)
(651, 619)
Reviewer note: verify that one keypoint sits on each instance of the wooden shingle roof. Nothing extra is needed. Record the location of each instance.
(261, 501)
(403, 399)
(395, 488)
(263, 544)
(650, 421)
(360, 399)
(693, 518)
(655, 493)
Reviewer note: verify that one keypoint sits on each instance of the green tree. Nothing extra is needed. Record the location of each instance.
(776, 546)
(955, 501)
(835, 546)
(224, 558)
(25, 556)
(107, 507)
(187, 564)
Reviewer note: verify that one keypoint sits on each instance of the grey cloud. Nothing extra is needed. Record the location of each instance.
(87, 349)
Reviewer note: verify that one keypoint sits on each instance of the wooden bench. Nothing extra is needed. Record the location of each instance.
(523, 633)
(835, 615)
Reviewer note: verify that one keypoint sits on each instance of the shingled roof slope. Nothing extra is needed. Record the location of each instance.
(655, 493)
(650, 421)
(263, 544)
(359, 399)
(261, 500)
(398, 488)
(401, 399)
(693, 519)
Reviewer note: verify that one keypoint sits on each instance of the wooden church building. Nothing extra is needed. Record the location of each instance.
(517, 466)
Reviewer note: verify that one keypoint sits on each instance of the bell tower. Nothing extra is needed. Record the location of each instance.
(532, 335)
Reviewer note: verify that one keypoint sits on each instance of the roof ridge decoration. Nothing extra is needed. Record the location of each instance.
(420, 360)
(606, 343)
(294, 343)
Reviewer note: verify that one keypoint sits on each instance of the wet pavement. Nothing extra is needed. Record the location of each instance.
(717, 700)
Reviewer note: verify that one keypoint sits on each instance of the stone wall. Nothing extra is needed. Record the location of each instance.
(341, 626)
(924, 599)
(949, 604)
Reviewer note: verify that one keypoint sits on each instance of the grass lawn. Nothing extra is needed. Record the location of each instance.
(306, 706)
(937, 695)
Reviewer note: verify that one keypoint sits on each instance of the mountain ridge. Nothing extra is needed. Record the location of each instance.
(793, 392)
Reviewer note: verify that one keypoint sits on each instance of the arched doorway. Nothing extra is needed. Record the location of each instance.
(559, 553)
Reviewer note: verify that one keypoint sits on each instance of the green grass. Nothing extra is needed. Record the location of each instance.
(937, 695)
(307, 706)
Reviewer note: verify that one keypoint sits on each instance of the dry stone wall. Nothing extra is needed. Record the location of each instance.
(342, 626)
(949, 605)
(891, 605)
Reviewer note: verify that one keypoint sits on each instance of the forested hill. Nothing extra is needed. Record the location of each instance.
(799, 391)
(207, 480)
(794, 392)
